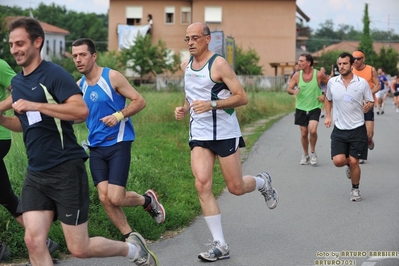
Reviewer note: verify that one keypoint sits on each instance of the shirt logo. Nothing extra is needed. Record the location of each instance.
(34, 88)
(93, 96)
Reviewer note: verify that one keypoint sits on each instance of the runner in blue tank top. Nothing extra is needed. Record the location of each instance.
(111, 134)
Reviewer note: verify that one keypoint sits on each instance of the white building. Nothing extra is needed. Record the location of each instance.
(54, 40)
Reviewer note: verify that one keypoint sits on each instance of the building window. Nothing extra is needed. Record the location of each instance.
(186, 15)
(169, 14)
(213, 14)
(134, 15)
(61, 49)
(47, 47)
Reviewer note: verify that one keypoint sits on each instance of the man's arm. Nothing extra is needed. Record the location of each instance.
(182, 111)
(73, 108)
(377, 85)
(6, 104)
(222, 71)
(328, 106)
(11, 122)
(291, 85)
(322, 77)
(123, 87)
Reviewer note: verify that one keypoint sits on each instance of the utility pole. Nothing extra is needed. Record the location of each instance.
(389, 32)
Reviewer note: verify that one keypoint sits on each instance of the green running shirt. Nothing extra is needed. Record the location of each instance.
(306, 100)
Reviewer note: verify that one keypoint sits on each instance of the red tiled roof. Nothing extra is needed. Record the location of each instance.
(350, 46)
(48, 28)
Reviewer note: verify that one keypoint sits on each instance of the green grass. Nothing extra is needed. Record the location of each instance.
(160, 160)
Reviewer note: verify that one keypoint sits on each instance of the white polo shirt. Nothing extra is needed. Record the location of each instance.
(348, 102)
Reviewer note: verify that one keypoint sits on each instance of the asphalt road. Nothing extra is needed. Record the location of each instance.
(315, 223)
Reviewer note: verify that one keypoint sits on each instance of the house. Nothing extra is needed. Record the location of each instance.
(54, 40)
(350, 46)
(267, 26)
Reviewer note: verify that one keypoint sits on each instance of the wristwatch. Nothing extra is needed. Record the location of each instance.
(214, 105)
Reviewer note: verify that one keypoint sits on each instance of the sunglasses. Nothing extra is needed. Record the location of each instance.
(358, 58)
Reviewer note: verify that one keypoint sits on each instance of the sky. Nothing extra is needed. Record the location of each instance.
(383, 13)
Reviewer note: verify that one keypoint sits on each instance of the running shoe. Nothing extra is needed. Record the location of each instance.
(155, 209)
(355, 195)
(4, 251)
(371, 144)
(305, 159)
(348, 172)
(268, 191)
(145, 256)
(217, 252)
(313, 158)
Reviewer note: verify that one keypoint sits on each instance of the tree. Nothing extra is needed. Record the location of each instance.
(144, 58)
(366, 43)
(387, 60)
(79, 25)
(326, 60)
(324, 36)
(247, 62)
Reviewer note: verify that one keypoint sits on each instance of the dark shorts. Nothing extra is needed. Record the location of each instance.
(222, 148)
(302, 118)
(369, 116)
(349, 142)
(111, 163)
(396, 93)
(63, 189)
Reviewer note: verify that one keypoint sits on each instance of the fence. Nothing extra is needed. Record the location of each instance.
(248, 82)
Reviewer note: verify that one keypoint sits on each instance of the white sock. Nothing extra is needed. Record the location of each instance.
(214, 223)
(260, 182)
(132, 254)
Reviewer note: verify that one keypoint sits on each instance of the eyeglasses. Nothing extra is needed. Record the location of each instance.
(358, 58)
(194, 38)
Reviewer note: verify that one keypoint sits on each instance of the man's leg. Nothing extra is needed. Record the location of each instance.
(313, 134)
(305, 139)
(355, 170)
(232, 173)
(37, 225)
(81, 246)
(114, 197)
(202, 163)
(370, 133)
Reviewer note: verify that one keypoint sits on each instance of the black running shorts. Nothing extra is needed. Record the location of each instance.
(63, 189)
(222, 148)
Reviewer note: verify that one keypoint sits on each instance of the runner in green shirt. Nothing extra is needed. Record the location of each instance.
(309, 100)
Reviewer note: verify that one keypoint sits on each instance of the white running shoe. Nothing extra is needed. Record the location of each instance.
(145, 255)
(313, 158)
(355, 195)
(268, 191)
(217, 252)
(305, 159)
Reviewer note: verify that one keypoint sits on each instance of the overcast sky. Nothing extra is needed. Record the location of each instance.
(383, 13)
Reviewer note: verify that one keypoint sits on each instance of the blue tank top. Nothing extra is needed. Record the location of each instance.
(102, 100)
